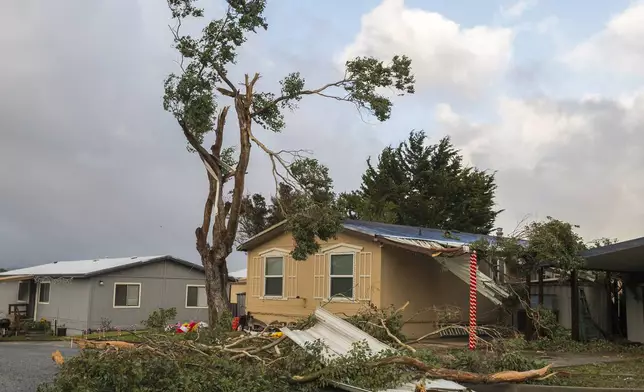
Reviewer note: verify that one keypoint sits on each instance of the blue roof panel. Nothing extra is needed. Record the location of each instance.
(414, 232)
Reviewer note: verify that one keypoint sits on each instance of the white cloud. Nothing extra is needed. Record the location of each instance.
(444, 54)
(575, 160)
(621, 42)
(517, 9)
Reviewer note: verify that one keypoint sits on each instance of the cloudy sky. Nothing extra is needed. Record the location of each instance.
(548, 93)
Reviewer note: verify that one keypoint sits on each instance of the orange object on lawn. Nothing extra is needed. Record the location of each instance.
(235, 323)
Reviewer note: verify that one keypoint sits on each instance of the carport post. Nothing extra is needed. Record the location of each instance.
(473, 272)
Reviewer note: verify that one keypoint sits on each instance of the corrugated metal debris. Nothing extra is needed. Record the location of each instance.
(340, 336)
(447, 238)
(430, 385)
(460, 267)
(337, 334)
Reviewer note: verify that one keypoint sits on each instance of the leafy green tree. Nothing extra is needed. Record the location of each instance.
(315, 185)
(422, 184)
(200, 97)
(551, 242)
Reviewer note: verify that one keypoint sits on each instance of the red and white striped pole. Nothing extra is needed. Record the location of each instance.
(472, 329)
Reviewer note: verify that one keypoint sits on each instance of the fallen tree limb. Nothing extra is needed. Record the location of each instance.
(83, 344)
(448, 374)
(57, 357)
(391, 335)
(258, 350)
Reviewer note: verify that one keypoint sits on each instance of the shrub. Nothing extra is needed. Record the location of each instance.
(160, 318)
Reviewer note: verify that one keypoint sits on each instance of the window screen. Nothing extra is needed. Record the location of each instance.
(196, 297)
(126, 294)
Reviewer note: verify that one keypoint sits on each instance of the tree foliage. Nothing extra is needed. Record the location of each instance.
(310, 209)
(225, 361)
(552, 242)
(420, 184)
(200, 97)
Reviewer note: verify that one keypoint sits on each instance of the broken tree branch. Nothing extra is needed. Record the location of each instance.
(391, 335)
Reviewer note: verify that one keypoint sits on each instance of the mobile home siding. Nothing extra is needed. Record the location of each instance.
(421, 280)
(306, 282)
(635, 314)
(163, 285)
(8, 295)
(68, 304)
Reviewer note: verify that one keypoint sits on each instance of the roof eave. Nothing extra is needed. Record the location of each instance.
(260, 237)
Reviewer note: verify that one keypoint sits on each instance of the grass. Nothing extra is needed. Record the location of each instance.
(123, 336)
(623, 374)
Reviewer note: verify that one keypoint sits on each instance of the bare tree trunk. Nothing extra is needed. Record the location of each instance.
(226, 218)
(216, 287)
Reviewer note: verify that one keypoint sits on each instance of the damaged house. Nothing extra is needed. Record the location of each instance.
(369, 262)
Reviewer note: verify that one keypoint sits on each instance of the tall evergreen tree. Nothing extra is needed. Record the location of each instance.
(422, 184)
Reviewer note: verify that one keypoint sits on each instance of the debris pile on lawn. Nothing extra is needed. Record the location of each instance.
(320, 351)
(186, 327)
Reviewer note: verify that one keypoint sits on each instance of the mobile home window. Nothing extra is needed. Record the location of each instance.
(23, 291)
(127, 295)
(43, 297)
(274, 277)
(196, 297)
(341, 275)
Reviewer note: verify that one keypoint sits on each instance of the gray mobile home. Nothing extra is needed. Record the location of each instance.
(84, 294)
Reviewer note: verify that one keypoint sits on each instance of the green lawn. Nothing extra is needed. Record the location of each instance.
(623, 374)
(114, 335)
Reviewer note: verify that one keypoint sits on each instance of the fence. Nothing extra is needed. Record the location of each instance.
(239, 309)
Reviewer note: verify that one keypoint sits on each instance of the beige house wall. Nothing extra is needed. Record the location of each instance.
(236, 288)
(421, 280)
(306, 282)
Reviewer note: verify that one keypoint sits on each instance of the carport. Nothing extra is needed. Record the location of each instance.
(625, 259)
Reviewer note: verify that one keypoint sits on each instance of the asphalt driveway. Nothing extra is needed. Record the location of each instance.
(25, 365)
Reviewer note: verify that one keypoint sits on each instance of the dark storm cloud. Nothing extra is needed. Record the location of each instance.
(92, 166)
(576, 160)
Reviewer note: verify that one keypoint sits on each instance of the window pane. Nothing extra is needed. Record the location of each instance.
(44, 292)
(342, 265)
(273, 287)
(192, 296)
(274, 266)
(23, 291)
(120, 295)
(342, 287)
(202, 301)
(133, 295)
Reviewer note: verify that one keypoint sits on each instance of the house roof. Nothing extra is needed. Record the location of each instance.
(439, 237)
(626, 256)
(87, 268)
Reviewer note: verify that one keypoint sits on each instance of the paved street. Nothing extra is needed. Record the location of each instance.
(25, 365)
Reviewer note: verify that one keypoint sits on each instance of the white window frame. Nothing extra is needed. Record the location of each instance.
(204, 289)
(40, 292)
(283, 276)
(28, 289)
(114, 306)
(352, 276)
